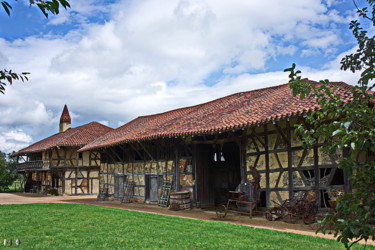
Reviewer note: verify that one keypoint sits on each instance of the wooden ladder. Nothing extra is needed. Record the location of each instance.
(128, 191)
(103, 193)
(165, 192)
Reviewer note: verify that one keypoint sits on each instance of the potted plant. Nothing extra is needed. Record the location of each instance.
(333, 195)
(53, 191)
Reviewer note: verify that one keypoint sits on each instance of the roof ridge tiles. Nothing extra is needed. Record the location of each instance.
(237, 111)
(77, 136)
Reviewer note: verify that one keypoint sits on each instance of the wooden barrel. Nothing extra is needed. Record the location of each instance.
(180, 200)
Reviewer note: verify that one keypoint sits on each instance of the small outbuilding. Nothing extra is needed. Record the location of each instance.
(53, 164)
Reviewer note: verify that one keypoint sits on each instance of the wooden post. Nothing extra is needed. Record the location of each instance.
(290, 160)
(317, 174)
(177, 167)
(266, 149)
(243, 167)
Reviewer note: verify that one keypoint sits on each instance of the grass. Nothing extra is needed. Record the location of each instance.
(80, 226)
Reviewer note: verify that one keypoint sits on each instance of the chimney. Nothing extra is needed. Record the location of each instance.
(65, 121)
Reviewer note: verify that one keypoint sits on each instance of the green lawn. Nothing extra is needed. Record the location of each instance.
(82, 226)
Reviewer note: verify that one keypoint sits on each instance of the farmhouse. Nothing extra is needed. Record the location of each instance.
(212, 148)
(54, 165)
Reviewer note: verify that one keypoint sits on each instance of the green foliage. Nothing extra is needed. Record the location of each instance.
(53, 191)
(6, 177)
(9, 76)
(45, 7)
(347, 123)
(80, 226)
(6, 6)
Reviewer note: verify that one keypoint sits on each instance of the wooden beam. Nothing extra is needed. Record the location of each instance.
(147, 152)
(290, 159)
(177, 166)
(268, 192)
(255, 143)
(317, 174)
(258, 138)
(115, 154)
(243, 162)
(136, 151)
(217, 141)
(286, 138)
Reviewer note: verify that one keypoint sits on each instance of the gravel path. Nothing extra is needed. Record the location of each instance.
(257, 221)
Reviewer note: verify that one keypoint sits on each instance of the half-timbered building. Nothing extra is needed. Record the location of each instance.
(53, 164)
(209, 149)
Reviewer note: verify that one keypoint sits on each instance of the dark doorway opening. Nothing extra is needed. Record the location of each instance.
(218, 167)
(119, 186)
(153, 183)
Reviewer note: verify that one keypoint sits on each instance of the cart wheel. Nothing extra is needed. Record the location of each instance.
(268, 215)
(282, 212)
(221, 211)
(290, 218)
(309, 219)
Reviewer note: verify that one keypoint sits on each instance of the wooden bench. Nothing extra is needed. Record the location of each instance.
(236, 202)
(235, 199)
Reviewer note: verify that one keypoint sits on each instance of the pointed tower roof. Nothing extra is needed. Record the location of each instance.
(65, 116)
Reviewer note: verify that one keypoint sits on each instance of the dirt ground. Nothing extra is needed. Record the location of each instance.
(257, 221)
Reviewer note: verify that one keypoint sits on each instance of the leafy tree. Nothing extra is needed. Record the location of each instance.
(6, 177)
(46, 7)
(9, 76)
(347, 123)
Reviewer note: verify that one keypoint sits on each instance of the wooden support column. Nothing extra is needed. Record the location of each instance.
(288, 141)
(195, 173)
(90, 158)
(50, 158)
(89, 185)
(75, 181)
(177, 166)
(243, 168)
(65, 157)
(266, 149)
(62, 182)
(107, 170)
(317, 174)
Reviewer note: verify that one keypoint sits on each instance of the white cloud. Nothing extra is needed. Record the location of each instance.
(151, 56)
(82, 12)
(104, 122)
(288, 50)
(13, 140)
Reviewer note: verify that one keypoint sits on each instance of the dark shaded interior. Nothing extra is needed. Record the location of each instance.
(219, 172)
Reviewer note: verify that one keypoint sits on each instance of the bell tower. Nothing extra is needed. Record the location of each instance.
(65, 121)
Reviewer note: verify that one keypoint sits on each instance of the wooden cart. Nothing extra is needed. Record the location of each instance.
(238, 202)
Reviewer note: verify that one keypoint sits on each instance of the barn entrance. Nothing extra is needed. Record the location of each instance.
(218, 168)
(153, 183)
(119, 186)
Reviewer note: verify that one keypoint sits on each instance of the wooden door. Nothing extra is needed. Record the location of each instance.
(119, 186)
(153, 188)
(205, 188)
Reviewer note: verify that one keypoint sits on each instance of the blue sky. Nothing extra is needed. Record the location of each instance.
(111, 61)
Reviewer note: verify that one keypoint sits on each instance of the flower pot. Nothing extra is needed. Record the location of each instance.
(332, 205)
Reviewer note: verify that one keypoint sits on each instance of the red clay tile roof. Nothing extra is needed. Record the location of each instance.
(65, 116)
(78, 136)
(228, 113)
